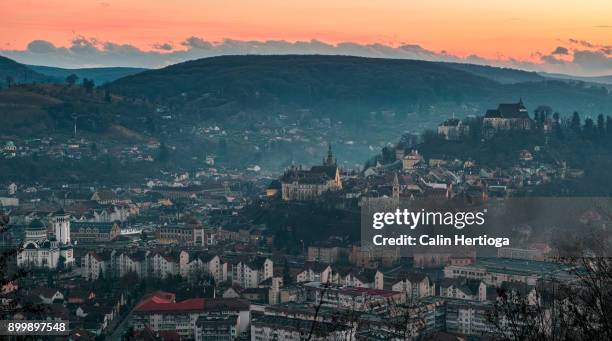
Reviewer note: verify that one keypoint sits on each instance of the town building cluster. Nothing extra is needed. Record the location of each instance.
(174, 258)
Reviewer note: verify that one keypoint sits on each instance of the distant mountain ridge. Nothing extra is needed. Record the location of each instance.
(100, 75)
(23, 74)
(337, 84)
(20, 73)
(593, 79)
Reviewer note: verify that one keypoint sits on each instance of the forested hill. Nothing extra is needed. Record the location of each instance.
(13, 72)
(342, 84)
(501, 75)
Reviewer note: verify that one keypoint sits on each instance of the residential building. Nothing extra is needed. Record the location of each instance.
(88, 232)
(468, 317)
(326, 252)
(412, 161)
(189, 233)
(414, 285)
(268, 327)
(249, 273)
(190, 262)
(164, 264)
(495, 271)
(221, 328)
(463, 288)
(354, 299)
(136, 263)
(453, 129)
(94, 265)
(315, 272)
(161, 312)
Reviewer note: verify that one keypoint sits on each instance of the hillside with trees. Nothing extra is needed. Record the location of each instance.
(349, 87)
(13, 73)
(580, 142)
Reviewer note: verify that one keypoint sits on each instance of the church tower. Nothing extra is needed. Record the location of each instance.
(329, 161)
(396, 187)
(61, 226)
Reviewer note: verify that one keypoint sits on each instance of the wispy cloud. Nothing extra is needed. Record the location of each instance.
(560, 50)
(163, 46)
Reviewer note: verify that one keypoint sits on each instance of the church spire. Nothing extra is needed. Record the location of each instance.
(330, 156)
(396, 187)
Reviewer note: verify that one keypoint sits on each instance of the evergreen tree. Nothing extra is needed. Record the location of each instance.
(388, 154)
(287, 280)
(10, 81)
(601, 126)
(575, 123)
(222, 150)
(589, 129)
(163, 154)
(89, 85)
(72, 79)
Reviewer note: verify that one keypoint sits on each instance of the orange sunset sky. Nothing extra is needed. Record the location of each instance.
(500, 29)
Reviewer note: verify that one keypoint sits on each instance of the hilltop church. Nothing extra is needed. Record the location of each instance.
(507, 116)
(300, 184)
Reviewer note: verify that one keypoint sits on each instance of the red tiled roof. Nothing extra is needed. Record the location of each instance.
(160, 304)
(165, 302)
(168, 296)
